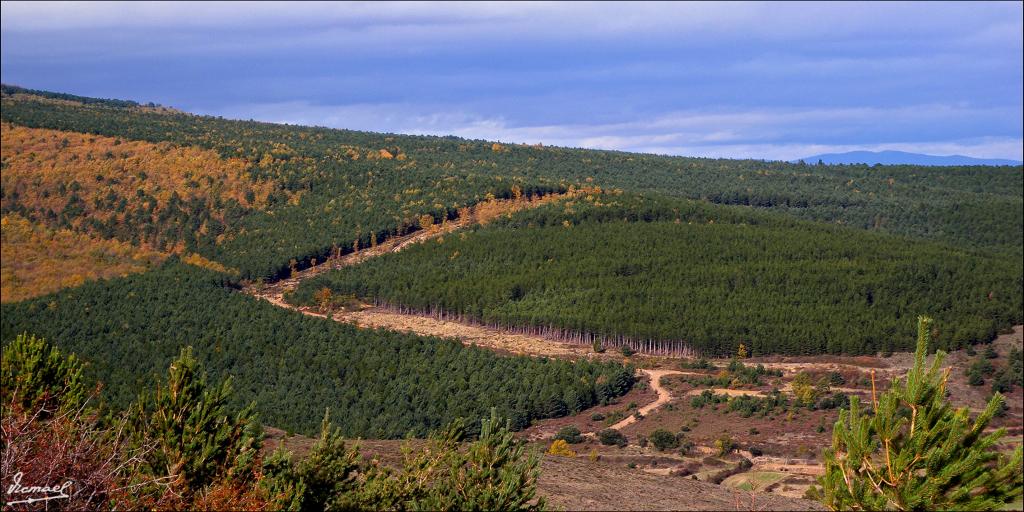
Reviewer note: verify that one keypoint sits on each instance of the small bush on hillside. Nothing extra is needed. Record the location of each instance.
(614, 417)
(560, 448)
(685, 446)
(664, 440)
(610, 437)
(570, 435)
(990, 352)
(724, 445)
(978, 370)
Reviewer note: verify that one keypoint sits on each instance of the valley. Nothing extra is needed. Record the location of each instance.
(662, 332)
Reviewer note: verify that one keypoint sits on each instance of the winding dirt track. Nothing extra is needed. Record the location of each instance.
(420, 324)
(664, 396)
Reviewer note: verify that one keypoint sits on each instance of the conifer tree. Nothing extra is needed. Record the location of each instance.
(197, 439)
(324, 480)
(37, 375)
(913, 451)
(492, 473)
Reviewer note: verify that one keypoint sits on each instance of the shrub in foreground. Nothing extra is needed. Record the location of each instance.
(915, 452)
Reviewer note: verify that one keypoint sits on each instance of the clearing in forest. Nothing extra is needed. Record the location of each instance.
(483, 336)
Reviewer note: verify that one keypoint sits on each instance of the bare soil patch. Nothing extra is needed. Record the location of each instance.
(468, 334)
(579, 484)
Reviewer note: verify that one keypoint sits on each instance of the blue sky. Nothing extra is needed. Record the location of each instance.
(760, 80)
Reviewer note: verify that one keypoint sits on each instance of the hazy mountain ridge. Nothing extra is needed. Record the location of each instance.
(903, 158)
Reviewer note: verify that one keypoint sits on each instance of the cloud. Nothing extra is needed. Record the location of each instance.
(765, 20)
(754, 79)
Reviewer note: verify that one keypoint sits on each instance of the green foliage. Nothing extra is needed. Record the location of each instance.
(803, 391)
(38, 376)
(1011, 375)
(492, 473)
(197, 441)
(914, 452)
(743, 374)
(974, 378)
(610, 437)
(1016, 365)
(570, 434)
(664, 440)
(835, 401)
(13, 89)
(378, 383)
(347, 193)
(323, 480)
(978, 370)
(707, 397)
(990, 352)
(187, 452)
(346, 197)
(1002, 382)
(747, 405)
(626, 269)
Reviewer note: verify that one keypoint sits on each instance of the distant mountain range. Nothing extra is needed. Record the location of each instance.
(902, 157)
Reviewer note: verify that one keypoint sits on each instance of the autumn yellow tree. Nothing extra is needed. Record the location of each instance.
(323, 298)
(561, 448)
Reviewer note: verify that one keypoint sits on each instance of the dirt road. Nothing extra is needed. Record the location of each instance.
(481, 213)
(371, 317)
(664, 396)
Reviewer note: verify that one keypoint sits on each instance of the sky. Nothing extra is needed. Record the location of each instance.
(738, 80)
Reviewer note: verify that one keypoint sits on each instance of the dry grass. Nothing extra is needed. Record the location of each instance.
(579, 484)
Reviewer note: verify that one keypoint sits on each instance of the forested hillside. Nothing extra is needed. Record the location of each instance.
(324, 190)
(710, 276)
(335, 188)
(377, 383)
(259, 200)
